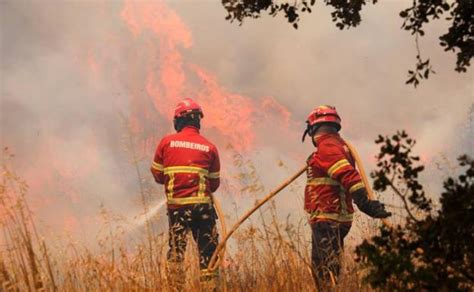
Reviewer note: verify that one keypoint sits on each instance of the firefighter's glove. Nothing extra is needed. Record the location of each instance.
(372, 208)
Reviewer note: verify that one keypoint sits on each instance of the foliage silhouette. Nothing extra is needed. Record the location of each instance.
(433, 251)
(347, 13)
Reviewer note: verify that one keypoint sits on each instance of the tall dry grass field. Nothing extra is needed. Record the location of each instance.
(267, 254)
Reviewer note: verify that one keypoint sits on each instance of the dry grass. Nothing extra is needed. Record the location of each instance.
(266, 255)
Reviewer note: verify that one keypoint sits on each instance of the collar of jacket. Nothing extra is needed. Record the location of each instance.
(324, 136)
(189, 129)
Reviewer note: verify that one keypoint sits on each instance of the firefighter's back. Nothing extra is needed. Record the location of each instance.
(190, 161)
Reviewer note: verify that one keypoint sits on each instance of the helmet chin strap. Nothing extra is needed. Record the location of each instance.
(314, 142)
(304, 135)
(310, 131)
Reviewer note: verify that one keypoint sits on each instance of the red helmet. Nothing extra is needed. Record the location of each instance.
(187, 106)
(322, 114)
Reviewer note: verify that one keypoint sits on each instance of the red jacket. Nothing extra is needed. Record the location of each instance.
(188, 165)
(332, 178)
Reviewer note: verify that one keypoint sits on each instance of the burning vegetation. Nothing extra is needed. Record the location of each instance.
(429, 250)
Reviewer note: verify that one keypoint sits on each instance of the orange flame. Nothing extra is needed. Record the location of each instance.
(170, 78)
(159, 77)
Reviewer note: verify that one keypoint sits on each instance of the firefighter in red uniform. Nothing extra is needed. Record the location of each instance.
(187, 164)
(333, 184)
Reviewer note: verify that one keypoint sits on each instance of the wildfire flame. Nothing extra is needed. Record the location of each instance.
(156, 38)
(170, 78)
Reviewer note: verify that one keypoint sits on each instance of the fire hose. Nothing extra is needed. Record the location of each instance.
(360, 167)
(219, 253)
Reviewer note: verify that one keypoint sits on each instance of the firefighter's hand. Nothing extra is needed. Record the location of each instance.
(372, 208)
(375, 209)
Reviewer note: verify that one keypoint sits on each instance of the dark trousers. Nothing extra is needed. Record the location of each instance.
(200, 219)
(327, 245)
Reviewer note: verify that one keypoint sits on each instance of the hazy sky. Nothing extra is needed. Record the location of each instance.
(75, 75)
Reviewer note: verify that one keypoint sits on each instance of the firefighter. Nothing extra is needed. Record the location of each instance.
(333, 183)
(187, 164)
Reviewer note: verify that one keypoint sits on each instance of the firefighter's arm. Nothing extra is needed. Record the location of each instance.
(157, 164)
(214, 171)
(335, 162)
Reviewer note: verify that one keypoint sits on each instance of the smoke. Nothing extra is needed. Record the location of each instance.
(88, 88)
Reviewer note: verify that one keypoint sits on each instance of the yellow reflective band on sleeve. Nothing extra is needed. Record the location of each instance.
(189, 200)
(332, 216)
(357, 186)
(321, 181)
(337, 166)
(214, 174)
(186, 169)
(157, 166)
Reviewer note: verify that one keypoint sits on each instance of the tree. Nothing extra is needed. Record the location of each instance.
(459, 38)
(433, 251)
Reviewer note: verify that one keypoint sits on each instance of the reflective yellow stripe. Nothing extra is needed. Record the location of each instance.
(332, 216)
(189, 200)
(322, 181)
(202, 186)
(342, 202)
(185, 169)
(357, 186)
(337, 166)
(170, 186)
(157, 166)
(201, 194)
(213, 174)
